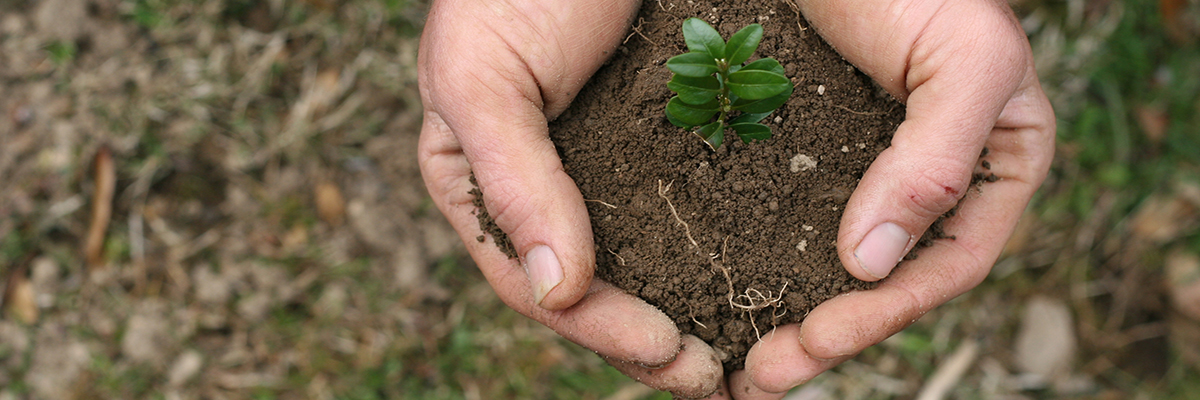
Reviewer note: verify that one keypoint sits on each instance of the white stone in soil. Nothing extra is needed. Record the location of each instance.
(801, 162)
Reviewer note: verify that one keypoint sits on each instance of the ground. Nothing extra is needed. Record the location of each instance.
(220, 200)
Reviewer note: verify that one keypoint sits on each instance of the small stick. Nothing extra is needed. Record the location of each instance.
(102, 203)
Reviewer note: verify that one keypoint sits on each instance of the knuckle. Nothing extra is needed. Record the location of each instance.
(507, 206)
(935, 190)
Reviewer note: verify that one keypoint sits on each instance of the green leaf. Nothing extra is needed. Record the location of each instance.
(766, 105)
(743, 43)
(749, 118)
(695, 90)
(751, 131)
(766, 64)
(697, 65)
(701, 37)
(713, 134)
(757, 84)
(675, 121)
(691, 114)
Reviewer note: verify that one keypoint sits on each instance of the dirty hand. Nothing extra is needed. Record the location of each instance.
(491, 74)
(965, 71)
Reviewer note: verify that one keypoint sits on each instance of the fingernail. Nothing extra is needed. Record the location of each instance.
(882, 249)
(544, 271)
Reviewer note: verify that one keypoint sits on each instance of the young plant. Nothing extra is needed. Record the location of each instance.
(711, 81)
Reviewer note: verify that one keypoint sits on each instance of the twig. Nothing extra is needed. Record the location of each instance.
(106, 183)
(950, 372)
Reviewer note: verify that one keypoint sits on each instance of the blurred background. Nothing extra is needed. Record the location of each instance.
(220, 200)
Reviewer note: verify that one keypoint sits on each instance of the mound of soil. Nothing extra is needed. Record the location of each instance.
(732, 242)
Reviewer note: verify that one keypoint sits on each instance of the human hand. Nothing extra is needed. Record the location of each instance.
(492, 72)
(965, 71)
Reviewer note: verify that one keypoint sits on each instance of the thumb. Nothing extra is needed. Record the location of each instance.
(490, 82)
(525, 190)
(956, 91)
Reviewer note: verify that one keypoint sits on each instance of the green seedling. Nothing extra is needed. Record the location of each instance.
(711, 81)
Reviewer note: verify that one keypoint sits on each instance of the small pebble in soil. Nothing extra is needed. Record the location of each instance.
(802, 162)
(845, 149)
(802, 245)
(821, 90)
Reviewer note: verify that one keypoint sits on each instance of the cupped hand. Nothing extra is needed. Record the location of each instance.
(965, 71)
(492, 73)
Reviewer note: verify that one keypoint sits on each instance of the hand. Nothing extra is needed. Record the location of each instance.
(492, 72)
(965, 71)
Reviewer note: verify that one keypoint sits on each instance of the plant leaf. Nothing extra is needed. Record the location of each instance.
(691, 114)
(757, 84)
(766, 64)
(749, 118)
(696, 65)
(713, 134)
(675, 121)
(695, 90)
(766, 105)
(701, 37)
(743, 43)
(751, 131)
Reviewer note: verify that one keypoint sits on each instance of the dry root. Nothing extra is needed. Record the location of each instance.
(749, 301)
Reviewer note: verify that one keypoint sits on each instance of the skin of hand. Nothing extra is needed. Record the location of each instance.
(965, 72)
(493, 72)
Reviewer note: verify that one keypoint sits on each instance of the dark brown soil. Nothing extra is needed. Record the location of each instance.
(763, 223)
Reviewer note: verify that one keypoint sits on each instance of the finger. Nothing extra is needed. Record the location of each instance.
(744, 388)
(776, 364)
(696, 373)
(847, 324)
(1022, 147)
(525, 190)
(605, 320)
(955, 64)
(492, 90)
(958, 91)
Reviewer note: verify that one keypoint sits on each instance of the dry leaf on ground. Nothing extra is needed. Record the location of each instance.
(1183, 282)
(1045, 345)
(106, 184)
